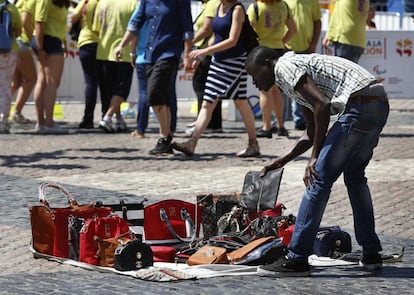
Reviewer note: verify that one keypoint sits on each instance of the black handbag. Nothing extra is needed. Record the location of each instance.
(75, 225)
(259, 192)
(248, 34)
(133, 255)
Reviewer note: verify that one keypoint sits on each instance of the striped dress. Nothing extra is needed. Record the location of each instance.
(227, 77)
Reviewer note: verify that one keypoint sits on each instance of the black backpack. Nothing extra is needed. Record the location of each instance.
(332, 242)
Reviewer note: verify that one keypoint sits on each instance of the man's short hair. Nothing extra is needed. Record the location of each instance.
(261, 54)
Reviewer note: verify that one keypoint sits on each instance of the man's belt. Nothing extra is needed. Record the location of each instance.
(361, 99)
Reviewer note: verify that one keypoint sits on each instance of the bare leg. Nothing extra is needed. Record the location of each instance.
(204, 117)
(115, 107)
(53, 70)
(24, 79)
(247, 115)
(253, 149)
(266, 108)
(277, 105)
(164, 118)
(39, 93)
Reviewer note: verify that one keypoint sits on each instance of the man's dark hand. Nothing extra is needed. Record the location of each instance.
(310, 173)
(278, 163)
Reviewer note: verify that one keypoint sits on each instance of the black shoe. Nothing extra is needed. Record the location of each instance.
(300, 126)
(86, 125)
(282, 131)
(371, 262)
(285, 267)
(163, 146)
(263, 133)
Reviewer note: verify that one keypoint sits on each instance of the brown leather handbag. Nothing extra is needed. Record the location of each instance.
(208, 255)
(107, 247)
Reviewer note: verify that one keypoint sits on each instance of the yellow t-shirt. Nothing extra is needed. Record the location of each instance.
(209, 10)
(304, 13)
(271, 24)
(53, 17)
(347, 23)
(110, 21)
(87, 35)
(27, 6)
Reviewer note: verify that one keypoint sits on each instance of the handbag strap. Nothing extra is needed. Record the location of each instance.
(42, 194)
(260, 195)
(186, 217)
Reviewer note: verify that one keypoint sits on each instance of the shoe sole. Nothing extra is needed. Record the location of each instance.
(107, 129)
(55, 132)
(376, 267)
(248, 156)
(164, 153)
(185, 152)
(264, 136)
(282, 274)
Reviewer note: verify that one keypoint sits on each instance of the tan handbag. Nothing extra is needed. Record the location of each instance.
(241, 253)
(208, 255)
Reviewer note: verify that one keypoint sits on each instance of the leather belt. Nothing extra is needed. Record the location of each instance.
(366, 98)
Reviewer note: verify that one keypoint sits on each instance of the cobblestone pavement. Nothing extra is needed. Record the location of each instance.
(97, 166)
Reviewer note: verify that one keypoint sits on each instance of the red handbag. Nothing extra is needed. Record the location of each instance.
(99, 228)
(163, 253)
(50, 225)
(171, 221)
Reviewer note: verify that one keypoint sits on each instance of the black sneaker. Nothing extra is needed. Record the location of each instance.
(163, 146)
(285, 267)
(372, 262)
(264, 133)
(282, 131)
(300, 126)
(86, 125)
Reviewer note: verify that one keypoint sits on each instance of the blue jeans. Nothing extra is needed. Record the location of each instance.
(173, 103)
(142, 105)
(87, 56)
(347, 149)
(297, 114)
(350, 52)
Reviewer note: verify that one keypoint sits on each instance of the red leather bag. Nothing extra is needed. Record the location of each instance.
(99, 228)
(171, 221)
(50, 225)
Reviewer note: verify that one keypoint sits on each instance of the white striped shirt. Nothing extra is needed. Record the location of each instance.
(337, 78)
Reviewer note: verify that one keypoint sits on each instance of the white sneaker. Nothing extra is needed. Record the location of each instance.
(120, 126)
(55, 129)
(20, 119)
(39, 128)
(190, 130)
(107, 126)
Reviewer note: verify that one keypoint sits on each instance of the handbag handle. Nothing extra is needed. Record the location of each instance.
(186, 217)
(42, 194)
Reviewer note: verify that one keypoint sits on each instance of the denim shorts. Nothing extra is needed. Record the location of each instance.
(23, 46)
(51, 45)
